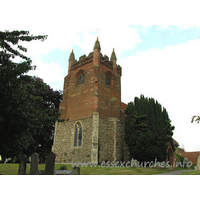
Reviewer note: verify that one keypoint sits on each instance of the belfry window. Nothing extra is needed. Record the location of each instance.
(108, 82)
(81, 78)
(78, 135)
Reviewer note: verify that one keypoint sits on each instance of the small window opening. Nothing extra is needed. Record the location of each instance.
(108, 82)
(82, 78)
(78, 135)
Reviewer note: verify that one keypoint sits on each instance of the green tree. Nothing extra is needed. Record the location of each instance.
(195, 119)
(147, 129)
(28, 107)
(44, 112)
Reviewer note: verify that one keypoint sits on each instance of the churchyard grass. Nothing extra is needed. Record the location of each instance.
(119, 171)
(194, 172)
(12, 169)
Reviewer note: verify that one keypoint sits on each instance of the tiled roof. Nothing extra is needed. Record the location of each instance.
(191, 156)
(123, 106)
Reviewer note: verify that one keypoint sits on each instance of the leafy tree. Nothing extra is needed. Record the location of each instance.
(44, 112)
(28, 107)
(195, 119)
(147, 129)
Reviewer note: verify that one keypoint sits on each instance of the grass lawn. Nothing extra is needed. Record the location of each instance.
(120, 171)
(195, 172)
(12, 169)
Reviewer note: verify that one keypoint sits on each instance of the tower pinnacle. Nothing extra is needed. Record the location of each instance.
(72, 57)
(97, 44)
(113, 56)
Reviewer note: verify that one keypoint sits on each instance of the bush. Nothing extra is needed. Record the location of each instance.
(63, 167)
(180, 159)
(193, 166)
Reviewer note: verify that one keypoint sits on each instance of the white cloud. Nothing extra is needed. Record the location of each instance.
(121, 38)
(162, 27)
(49, 72)
(181, 27)
(171, 76)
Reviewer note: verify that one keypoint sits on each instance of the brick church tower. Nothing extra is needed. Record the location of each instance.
(94, 126)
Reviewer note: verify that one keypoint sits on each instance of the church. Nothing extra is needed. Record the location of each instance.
(93, 126)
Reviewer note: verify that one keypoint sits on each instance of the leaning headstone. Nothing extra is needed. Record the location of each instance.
(49, 169)
(77, 169)
(34, 164)
(22, 166)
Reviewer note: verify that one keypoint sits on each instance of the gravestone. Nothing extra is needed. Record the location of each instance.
(34, 164)
(65, 172)
(77, 169)
(50, 163)
(134, 163)
(22, 166)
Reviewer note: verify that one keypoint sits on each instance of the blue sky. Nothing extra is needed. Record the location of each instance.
(160, 37)
(159, 61)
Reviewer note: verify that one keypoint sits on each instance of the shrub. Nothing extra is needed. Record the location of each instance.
(193, 166)
(63, 167)
(180, 159)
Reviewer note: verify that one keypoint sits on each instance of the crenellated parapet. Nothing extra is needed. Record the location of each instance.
(82, 61)
(96, 57)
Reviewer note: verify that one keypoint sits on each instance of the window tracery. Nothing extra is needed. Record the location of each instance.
(78, 135)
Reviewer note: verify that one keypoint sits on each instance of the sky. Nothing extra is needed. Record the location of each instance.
(159, 61)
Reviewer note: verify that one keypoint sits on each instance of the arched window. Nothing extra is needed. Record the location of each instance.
(108, 82)
(78, 135)
(108, 78)
(80, 77)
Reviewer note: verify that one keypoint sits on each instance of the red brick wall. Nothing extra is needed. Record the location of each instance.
(80, 101)
(109, 96)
